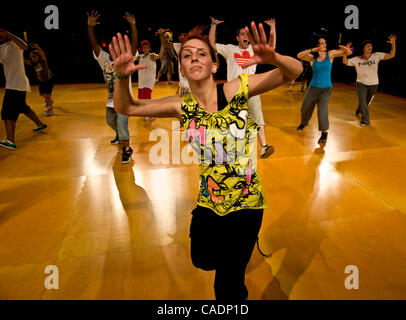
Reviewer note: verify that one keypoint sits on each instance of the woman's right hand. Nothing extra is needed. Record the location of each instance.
(123, 59)
(92, 18)
(215, 21)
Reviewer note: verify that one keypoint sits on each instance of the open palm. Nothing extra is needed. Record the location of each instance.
(123, 60)
(264, 51)
(392, 39)
(92, 18)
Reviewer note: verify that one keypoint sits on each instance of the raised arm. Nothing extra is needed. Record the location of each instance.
(134, 32)
(345, 56)
(212, 32)
(306, 55)
(288, 68)
(15, 39)
(120, 50)
(272, 24)
(162, 50)
(392, 41)
(343, 51)
(91, 24)
(41, 52)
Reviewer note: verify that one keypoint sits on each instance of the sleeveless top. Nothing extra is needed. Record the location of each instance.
(225, 142)
(322, 73)
(42, 71)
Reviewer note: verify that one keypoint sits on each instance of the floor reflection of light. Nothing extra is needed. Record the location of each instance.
(161, 187)
(328, 177)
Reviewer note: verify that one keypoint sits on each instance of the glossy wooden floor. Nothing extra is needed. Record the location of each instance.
(121, 231)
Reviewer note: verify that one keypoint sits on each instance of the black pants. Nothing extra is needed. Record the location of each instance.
(13, 104)
(365, 96)
(225, 244)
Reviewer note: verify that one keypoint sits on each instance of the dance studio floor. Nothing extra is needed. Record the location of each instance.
(120, 231)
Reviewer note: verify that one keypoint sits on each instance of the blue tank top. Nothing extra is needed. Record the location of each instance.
(322, 73)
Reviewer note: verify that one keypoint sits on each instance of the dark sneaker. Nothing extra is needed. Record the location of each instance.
(363, 124)
(7, 144)
(323, 138)
(266, 151)
(300, 127)
(126, 156)
(115, 140)
(39, 129)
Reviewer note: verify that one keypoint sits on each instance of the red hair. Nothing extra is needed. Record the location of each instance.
(197, 33)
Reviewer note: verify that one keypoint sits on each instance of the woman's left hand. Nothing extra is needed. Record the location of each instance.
(264, 50)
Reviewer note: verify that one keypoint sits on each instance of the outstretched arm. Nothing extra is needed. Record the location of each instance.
(288, 68)
(161, 51)
(272, 23)
(120, 50)
(134, 32)
(15, 39)
(345, 56)
(212, 32)
(343, 51)
(392, 41)
(91, 23)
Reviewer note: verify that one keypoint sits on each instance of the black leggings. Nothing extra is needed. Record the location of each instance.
(225, 244)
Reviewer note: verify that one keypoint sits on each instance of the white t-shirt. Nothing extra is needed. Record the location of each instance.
(183, 83)
(367, 70)
(108, 72)
(11, 56)
(147, 77)
(235, 58)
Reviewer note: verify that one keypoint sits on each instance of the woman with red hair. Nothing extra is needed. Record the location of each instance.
(228, 216)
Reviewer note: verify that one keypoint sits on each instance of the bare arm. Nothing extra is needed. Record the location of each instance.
(120, 50)
(345, 56)
(288, 68)
(272, 23)
(392, 41)
(306, 55)
(91, 23)
(345, 60)
(161, 51)
(343, 51)
(28, 62)
(212, 32)
(15, 39)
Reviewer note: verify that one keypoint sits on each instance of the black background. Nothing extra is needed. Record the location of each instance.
(69, 52)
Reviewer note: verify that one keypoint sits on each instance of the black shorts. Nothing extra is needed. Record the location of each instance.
(45, 87)
(14, 104)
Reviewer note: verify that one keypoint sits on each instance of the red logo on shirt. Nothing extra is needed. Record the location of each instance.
(241, 59)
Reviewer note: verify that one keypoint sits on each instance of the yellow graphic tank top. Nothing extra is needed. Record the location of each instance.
(225, 142)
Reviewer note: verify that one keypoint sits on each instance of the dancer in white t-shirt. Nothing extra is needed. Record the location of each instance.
(147, 76)
(17, 86)
(366, 67)
(236, 56)
(118, 122)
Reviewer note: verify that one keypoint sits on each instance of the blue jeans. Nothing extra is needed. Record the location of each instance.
(119, 123)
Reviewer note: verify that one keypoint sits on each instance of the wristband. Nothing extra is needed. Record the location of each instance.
(311, 50)
(214, 23)
(120, 77)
